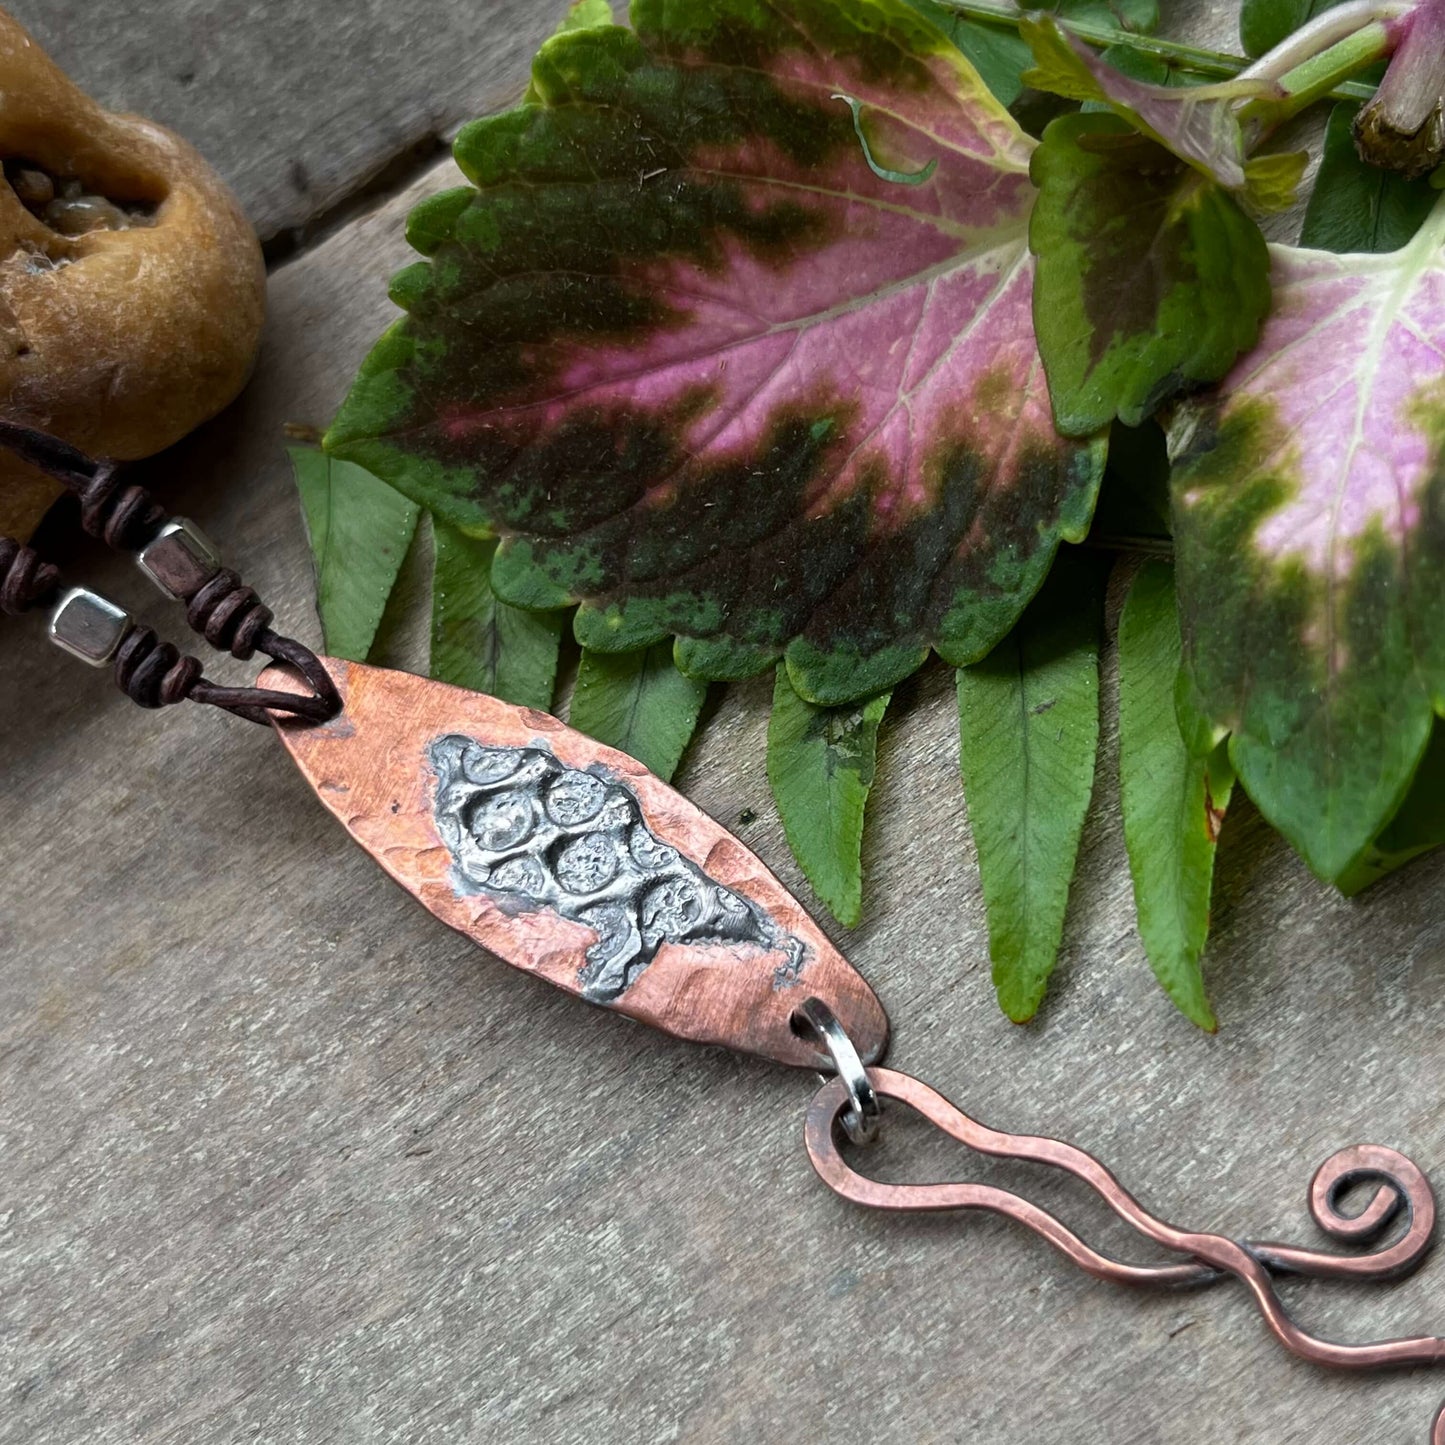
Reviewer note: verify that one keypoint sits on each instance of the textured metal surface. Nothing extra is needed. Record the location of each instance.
(89, 626)
(573, 862)
(179, 559)
(531, 833)
(286, 1161)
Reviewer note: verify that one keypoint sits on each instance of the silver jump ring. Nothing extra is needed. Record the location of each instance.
(860, 1119)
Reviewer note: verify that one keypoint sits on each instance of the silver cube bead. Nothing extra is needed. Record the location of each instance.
(88, 626)
(179, 559)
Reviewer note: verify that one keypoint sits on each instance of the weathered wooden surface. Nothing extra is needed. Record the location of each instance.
(282, 1159)
(297, 104)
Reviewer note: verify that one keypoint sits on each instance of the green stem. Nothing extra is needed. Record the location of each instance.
(1130, 545)
(1321, 75)
(1187, 57)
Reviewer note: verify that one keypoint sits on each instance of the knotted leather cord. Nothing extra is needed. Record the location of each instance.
(221, 608)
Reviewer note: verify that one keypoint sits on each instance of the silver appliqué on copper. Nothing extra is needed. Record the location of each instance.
(531, 833)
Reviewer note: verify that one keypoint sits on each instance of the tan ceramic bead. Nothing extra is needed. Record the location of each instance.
(119, 341)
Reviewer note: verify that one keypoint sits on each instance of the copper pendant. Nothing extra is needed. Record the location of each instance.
(570, 860)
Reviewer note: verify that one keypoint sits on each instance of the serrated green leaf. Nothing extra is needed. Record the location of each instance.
(583, 15)
(820, 766)
(586, 13)
(1029, 736)
(1359, 207)
(1173, 797)
(1150, 280)
(480, 642)
(639, 703)
(1199, 124)
(360, 530)
(1417, 827)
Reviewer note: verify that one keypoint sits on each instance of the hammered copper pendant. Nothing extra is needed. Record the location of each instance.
(571, 861)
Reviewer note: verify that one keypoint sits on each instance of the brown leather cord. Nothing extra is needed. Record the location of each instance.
(153, 673)
(229, 615)
(222, 609)
(25, 581)
(120, 515)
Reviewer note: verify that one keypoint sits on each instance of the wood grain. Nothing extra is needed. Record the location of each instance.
(299, 106)
(284, 1160)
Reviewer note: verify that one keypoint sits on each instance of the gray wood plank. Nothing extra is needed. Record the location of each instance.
(297, 105)
(283, 1160)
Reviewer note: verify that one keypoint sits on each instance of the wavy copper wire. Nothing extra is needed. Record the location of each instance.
(1401, 1187)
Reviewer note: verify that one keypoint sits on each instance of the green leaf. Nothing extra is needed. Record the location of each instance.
(1272, 182)
(820, 766)
(1150, 279)
(479, 642)
(1417, 827)
(638, 703)
(708, 369)
(1140, 65)
(995, 51)
(583, 15)
(1029, 735)
(1264, 23)
(1359, 207)
(360, 530)
(1140, 16)
(1174, 792)
(1001, 56)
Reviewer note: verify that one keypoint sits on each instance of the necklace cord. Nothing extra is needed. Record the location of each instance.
(219, 607)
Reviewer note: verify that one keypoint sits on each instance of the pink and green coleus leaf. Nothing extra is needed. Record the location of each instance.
(1309, 520)
(703, 366)
(1151, 279)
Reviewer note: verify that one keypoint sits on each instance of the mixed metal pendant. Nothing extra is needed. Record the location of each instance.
(571, 861)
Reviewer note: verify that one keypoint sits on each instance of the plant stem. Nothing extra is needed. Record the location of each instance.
(1318, 76)
(1403, 128)
(1186, 57)
(1132, 544)
(1325, 31)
